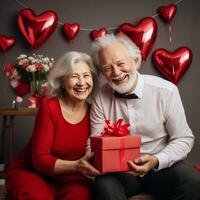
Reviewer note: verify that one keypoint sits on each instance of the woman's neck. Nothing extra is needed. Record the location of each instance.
(74, 106)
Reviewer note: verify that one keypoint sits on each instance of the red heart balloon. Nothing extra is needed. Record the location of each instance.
(37, 29)
(167, 13)
(99, 33)
(173, 65)
(143, 34)
(6, 43)
(71, 30)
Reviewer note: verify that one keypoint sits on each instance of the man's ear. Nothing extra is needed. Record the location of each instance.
(136, 60)
(136, 63)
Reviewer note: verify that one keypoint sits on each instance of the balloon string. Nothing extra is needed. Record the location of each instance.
(170, 33)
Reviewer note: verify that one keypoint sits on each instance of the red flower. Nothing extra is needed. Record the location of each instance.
(38, 66)
(35, 100)
(23, 88)
(197, 167)
(8, 69)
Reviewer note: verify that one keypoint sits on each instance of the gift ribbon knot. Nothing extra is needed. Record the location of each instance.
(115, 129)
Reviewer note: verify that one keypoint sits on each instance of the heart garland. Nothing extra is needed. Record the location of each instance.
(173, 65)
(37, 29)
(6, 43)
(71, 30)
(143, 34)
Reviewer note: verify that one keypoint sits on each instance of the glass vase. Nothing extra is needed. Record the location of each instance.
(36, 87)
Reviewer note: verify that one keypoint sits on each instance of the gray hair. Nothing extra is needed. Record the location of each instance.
(63, 67)
(110, 39)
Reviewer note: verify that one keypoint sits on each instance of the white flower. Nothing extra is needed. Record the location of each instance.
(31, 58)
(14, 83)
(36, 60)
(22, 56)
(23, 62)
(31, 68)
(45, 67)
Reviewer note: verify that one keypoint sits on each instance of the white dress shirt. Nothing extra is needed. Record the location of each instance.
(157, 115)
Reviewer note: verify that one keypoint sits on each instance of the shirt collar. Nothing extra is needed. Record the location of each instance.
(139, 86)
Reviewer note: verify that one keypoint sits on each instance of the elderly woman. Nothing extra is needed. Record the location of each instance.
(53, 165)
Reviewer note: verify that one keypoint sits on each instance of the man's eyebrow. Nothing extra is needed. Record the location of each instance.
(120, 60)
(106, 65)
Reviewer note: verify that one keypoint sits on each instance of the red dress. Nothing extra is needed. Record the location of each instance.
(30, 175)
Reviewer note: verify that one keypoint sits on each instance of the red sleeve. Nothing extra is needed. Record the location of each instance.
(42, 140)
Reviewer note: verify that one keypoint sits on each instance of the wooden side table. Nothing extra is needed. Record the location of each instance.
(8, 126)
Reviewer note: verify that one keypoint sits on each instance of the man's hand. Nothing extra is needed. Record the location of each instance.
(84, 167)
(142, 164)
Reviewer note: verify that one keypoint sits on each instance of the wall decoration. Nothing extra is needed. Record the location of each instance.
(23, 5)
(37, 29)
(71, 30)
(173, 65)
(143, 34)
(98, 33)
(6, 43)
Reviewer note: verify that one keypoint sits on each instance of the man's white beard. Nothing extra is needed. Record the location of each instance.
(125, 87)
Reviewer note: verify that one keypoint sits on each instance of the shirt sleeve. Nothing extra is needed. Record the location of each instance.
(181, 138)
(97, 117)
(42, 140)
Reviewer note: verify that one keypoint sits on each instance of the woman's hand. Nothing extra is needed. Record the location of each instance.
(142, 165)
(84, 167)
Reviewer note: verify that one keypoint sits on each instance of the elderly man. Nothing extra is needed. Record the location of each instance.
(154, 110)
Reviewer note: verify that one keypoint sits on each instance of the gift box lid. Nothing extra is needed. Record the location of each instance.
(111, 142)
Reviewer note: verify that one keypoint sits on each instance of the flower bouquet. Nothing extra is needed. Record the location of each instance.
(28, 74)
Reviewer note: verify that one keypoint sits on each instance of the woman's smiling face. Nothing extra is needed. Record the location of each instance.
(78, 85)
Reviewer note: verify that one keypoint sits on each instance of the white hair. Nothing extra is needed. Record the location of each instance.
(63, 67)
(111, 39)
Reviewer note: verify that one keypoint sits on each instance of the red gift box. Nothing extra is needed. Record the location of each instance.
(111, 153)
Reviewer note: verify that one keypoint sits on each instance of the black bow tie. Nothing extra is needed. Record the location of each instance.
(126, 95)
